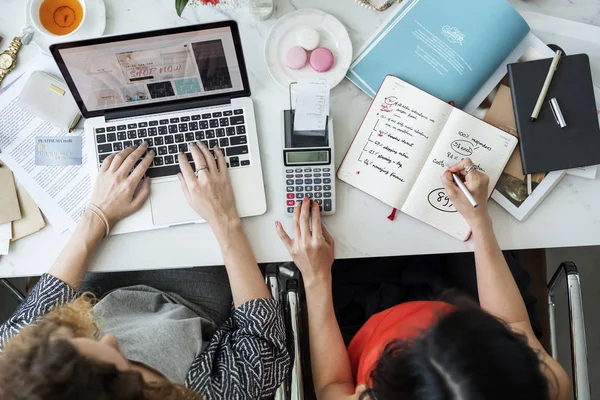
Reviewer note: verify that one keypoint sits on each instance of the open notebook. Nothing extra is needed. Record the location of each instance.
(404, 145)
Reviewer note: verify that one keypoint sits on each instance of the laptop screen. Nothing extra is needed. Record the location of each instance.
(157, 68)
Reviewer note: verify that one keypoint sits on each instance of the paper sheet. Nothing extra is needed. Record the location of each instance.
(60, 191)
(4, 245)
(6, 231)
(311, 104)
(32, 220)
(9, 205)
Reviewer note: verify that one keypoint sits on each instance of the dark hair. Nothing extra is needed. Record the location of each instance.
(467, 354)
(41, 363)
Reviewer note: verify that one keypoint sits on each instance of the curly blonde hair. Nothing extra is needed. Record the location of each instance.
(41, 363)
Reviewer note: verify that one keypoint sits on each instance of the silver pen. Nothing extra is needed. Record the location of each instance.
(465, 191)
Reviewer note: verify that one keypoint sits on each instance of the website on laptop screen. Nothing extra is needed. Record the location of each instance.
(154, 69)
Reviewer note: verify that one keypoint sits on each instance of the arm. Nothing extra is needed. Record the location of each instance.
(211, 196)
(497, 289)
(313, 254)
(115, 193)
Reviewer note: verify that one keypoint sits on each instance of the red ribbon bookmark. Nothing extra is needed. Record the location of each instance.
(392, 215)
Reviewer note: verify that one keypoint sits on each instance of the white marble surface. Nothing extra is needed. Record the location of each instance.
(570, 216)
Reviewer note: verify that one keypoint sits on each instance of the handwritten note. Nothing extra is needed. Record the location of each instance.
(394, 141)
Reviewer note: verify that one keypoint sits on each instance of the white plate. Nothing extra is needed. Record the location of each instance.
(283, 35)
(93, 26)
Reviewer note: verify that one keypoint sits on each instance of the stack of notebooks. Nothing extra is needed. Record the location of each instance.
(19, 215)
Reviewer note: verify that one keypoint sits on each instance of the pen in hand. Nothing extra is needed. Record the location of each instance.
(463, 188)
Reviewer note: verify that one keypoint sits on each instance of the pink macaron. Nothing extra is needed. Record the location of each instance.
(321, 59)
(296, 57)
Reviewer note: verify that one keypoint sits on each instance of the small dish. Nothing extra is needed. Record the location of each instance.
(92, 26)
(284, 35)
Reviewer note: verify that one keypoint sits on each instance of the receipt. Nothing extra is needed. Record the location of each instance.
(311, 100)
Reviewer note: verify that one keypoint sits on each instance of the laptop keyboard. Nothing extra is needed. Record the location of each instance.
(169, 136)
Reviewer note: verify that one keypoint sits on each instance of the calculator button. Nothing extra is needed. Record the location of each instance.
(299, 196)
(326, 175)
(309, 195)
(319, 202)
(245, 163)
(326, 170)
(308, 175)
(317, 170)
(298, 202)
(317, 175)
(320, 208)
(290, 202)
(327, 205)
(290, 195)
(298, 169)
(299, 182)
(289, 176)
(298, 175)
(317, 181)
(318, 195)
(327, 180)
(289, 182)
(327, 194)
(318, 188)
(309, 188)
(308, 181)
(327, 187)
(290, 209)
(289, 189)
(307, 169)
(299, 188)
(100, 130)
(289, 171)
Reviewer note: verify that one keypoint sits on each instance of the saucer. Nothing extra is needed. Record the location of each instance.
(94, 25)
(284, 34)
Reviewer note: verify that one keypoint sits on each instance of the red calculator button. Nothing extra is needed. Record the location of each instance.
(290, 202)
(290, 195)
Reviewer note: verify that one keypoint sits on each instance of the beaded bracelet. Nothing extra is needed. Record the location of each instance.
(100, 214)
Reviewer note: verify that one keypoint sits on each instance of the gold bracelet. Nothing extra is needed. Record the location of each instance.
(100, 214)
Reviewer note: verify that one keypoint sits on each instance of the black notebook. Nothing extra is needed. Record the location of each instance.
(544, 145)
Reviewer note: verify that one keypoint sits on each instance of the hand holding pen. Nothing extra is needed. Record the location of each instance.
(471, 200)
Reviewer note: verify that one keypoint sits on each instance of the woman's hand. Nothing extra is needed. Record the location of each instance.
(477, 183)
(118, 191)
(312, 251)
(210, 193)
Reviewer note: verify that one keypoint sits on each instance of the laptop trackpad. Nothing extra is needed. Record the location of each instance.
(169, 206)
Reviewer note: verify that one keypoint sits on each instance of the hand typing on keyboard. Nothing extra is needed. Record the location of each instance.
(115, 188)
(208, 191)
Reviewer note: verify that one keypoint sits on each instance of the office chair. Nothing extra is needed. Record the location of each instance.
(579, 367)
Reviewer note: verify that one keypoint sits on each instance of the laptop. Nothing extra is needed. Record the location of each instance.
(168, 87)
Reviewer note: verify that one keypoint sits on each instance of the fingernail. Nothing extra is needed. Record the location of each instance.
(145, 144)
(152, 152)
(276, 224)
(305, 198)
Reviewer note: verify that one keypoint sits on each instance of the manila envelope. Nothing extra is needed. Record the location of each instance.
(32, 220)
(9, 205)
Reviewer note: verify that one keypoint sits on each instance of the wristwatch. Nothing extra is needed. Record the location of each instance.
(8, 59)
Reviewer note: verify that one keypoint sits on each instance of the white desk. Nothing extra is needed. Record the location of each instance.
(570, 216)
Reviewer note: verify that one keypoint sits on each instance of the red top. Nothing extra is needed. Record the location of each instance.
(404, 321)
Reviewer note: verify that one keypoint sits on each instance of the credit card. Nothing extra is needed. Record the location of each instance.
(58, 150)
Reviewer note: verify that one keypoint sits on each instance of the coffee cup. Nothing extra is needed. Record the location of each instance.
(57, 18)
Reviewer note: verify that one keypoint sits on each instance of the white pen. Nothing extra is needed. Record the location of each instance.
(464, 189)
(542, 96)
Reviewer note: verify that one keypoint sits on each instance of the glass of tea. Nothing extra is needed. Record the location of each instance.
(57, 17)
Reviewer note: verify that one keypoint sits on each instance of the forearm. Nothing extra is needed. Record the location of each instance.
(72, 263)
(329, 357)
(498, 291)
(245, 278)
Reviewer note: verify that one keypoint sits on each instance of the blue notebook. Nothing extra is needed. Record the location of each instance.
(446, 48)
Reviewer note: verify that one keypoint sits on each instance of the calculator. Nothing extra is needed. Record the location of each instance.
(308, 171)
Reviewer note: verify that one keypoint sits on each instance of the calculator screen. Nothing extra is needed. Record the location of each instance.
(307, 157)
